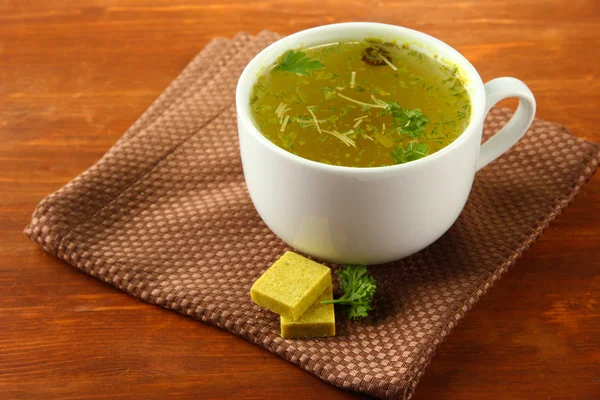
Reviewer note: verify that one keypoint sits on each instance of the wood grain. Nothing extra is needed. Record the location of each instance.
(73, 77)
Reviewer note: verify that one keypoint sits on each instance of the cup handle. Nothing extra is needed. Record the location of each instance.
(496, 90)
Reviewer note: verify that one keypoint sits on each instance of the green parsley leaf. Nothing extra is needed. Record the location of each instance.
(329, 92)
(398, 154)
(298, 63)
(358, 287)
(407, 121)
(411, 152)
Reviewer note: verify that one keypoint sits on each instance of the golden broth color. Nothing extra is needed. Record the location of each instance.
(360, 104)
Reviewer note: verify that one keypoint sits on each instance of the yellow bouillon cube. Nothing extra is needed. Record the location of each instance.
(317, 321)
(291, 285)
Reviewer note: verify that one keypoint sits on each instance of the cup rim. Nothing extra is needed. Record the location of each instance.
(246, 79)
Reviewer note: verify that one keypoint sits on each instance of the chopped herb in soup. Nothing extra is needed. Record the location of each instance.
(360, 104)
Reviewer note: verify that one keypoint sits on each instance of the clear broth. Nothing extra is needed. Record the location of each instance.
(343, 104)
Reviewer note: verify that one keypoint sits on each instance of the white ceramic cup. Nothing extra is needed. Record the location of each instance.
(371, 215)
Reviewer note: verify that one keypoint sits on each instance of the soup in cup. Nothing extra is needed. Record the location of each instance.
(365, 209)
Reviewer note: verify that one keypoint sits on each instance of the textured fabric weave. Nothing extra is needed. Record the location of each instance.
(165, 216)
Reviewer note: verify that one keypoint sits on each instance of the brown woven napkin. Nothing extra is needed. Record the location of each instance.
(165, 216)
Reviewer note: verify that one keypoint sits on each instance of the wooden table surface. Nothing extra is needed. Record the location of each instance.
(73, 77)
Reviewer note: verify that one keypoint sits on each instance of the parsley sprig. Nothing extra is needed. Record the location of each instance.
(298, 62)
(358, 287)
(411, 122)
(410, 152)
